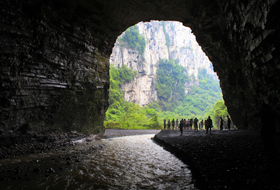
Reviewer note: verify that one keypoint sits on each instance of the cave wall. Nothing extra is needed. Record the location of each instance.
(54, 78)
(244, 50)
(55, 57)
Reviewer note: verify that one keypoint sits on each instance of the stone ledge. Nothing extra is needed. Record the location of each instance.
(224, 160)
(11, 146)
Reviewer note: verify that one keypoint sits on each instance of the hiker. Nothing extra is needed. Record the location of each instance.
(181, 125)
(201, 124)
(168, 124)
(195, 124)
(188, 124)
(191, 122)
(208, 124)
(164, 123)
(173, 124)
(221, 123)
(228, 122)
(177, 124)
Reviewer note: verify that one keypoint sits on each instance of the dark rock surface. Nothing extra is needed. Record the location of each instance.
(54, 58)
(13, 146)
(224, 160)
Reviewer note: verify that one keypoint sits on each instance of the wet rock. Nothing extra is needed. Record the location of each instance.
(50, 170)
(36, 170)
(224, 159)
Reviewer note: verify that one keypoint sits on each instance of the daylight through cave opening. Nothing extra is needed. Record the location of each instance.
(162, 71)
(55, 58)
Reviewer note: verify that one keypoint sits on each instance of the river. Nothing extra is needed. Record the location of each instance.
(132, 162)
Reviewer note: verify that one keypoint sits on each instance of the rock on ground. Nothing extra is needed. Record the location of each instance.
(224, 159)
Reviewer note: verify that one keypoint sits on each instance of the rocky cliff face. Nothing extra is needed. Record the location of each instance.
(51, 72)
(164, 40)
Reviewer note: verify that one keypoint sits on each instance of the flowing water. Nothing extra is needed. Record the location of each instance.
(133, 162)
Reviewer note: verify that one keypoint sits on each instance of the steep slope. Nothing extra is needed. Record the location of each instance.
(164, 40)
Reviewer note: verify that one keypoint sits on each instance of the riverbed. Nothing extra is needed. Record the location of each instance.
(131, 162)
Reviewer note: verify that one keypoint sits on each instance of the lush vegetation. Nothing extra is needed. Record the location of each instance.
(219, 110)
(132, 39)
(201, 101)
(123, 114)
(171, 80)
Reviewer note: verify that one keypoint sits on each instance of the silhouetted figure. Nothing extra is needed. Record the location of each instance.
(177, 124)
(184, 123)
(168, 124)
(188, 124)
(201, 124)
(181, 125)
(208, 124)
(267, 116)
(228, 122)
(173, 123)
(191, 122)
(164, 123)
(195, 124)
(221, 123)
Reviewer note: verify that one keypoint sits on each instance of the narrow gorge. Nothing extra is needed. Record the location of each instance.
(164, 40)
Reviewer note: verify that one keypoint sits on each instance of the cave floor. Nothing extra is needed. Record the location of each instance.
(224, 159)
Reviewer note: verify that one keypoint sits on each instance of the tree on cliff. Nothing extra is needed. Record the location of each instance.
(132, 39)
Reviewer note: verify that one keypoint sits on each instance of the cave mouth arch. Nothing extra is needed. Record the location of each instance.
(55, 57)
(168, 42)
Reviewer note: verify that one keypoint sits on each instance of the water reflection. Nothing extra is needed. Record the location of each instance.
(133, 162)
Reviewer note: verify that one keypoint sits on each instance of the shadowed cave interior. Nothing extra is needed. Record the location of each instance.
(55, 60)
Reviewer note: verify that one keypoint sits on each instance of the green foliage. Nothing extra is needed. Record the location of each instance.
(133, 39)
(172, 99)
(127, 115)
(171, 79)
(219, 110)
(172, 103)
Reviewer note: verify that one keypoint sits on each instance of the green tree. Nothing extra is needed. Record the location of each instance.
(219, 110)
(171, 79)
(133, 39)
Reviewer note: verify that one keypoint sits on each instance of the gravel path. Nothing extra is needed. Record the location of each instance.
(224, 160)
(111, 133)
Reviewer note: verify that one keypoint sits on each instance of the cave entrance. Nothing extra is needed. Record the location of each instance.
(158, 71)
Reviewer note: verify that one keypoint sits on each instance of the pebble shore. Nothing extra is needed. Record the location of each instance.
(224, 159)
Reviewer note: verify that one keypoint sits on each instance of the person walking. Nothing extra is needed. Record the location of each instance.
(228, 122)
(221, 123)
(177, 124)
(164, 124)
(195, 124)
(173, 124)
(181, 125)
(201, 124)
(191, 122)
(168, 124)
(209, 124)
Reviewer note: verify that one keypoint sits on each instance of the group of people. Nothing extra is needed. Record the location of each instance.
(222, 123)
(188, 124)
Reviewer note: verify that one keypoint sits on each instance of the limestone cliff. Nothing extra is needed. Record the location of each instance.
(164, 40)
